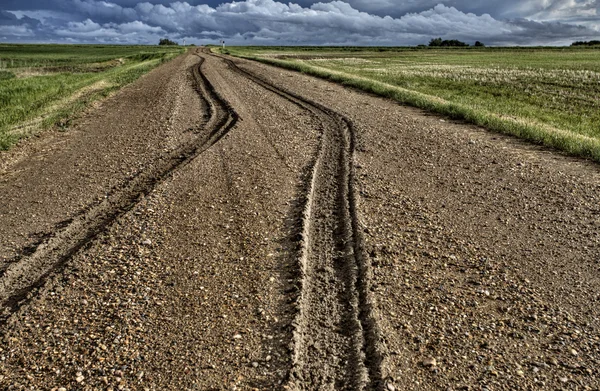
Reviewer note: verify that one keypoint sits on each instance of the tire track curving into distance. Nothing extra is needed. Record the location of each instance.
(336, 336)
(24, 276)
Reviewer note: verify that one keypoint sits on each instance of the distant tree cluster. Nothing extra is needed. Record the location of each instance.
(438, 42)
(166, 41)
(586, 43)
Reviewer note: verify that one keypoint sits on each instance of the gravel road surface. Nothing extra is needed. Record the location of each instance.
(225, 225)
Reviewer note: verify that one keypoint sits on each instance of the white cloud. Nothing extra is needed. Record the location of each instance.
(335, 22)
(17, 31)
(138, 27)
(131, 32)
(583, 12)
(83, 27)
(564, 9)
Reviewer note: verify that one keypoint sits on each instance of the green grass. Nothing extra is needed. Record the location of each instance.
(549, 96)
(46, 85)
(40, 56)
(5, 75)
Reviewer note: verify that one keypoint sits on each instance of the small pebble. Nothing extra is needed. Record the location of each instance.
(254, 364)
(430, 362)
(391, 387)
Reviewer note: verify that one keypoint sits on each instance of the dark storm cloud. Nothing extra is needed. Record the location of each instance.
(10, 19)
(23, 27)
(361, 22)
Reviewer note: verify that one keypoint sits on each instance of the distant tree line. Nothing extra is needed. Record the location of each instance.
(439, 42)
(166, 41)
(586, 43)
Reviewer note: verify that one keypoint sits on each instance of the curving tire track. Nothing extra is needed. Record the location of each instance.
(336, 337)
(20, 280)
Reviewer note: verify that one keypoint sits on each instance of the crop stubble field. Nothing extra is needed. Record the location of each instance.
(546, 95)
(45, 85)
(224, 224)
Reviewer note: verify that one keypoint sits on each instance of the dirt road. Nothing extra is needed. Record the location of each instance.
(221, 224)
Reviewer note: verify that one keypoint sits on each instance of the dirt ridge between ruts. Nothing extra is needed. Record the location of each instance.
(20, 278)
(332, 189)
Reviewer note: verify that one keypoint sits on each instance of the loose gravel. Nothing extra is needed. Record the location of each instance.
(483, 249)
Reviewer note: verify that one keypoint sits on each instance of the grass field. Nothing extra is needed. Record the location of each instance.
(547, 95)
(45, 85)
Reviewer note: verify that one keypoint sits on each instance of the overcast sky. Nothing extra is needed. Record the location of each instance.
(306, 22)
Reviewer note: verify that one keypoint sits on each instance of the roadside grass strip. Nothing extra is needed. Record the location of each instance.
(576, 140)
(41, 97)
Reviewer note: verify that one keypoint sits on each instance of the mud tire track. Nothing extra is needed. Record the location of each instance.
(20, 279)
(336, 338)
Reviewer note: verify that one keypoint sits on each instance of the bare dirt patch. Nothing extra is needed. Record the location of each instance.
(324, 239)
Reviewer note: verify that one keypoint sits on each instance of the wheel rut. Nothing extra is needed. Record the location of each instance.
(336, 336)
(22, 277)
